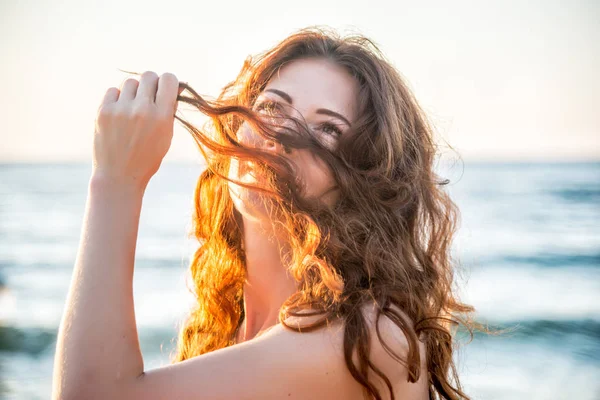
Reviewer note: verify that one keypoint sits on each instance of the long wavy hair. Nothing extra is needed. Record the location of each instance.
(387, 240)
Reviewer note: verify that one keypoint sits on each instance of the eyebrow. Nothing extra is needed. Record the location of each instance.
(323, 111)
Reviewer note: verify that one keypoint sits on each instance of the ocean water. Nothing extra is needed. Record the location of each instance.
(528, 245)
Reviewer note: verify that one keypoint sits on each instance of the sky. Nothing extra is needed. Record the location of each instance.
(499, 80)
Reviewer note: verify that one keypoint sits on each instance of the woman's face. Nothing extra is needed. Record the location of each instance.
(324, 95)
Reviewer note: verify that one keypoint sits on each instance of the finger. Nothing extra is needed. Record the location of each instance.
(166, 95)
(128, 89)
(111, 96)
(148, 85)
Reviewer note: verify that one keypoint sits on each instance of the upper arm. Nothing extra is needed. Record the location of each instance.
(279, 364)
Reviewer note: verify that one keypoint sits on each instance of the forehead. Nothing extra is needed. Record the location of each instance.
(315, 83)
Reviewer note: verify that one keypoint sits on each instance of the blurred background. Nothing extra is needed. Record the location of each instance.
(512, 86)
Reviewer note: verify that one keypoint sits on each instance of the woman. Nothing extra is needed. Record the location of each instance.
(324, 269)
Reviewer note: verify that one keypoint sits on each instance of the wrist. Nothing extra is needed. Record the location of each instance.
(101, 181)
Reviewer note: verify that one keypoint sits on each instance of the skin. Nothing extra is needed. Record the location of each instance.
(98, 354)
(310, 84)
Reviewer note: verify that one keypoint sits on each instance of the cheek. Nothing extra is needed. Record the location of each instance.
(317, 177)
(248, 137)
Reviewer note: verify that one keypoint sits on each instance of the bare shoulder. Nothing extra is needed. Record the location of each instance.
(392, 338)
(283, 363)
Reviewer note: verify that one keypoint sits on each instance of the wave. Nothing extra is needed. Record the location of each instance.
(556, 329)
(546, 260)
(579, 339)
(583, 194)
(33, 341)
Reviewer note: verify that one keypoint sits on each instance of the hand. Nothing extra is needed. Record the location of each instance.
(134, 129)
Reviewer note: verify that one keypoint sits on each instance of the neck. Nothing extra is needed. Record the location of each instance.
(268, 283)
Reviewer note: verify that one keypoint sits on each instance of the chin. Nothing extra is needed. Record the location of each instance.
(251, 204)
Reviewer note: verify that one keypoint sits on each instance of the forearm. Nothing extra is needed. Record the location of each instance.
(97, 346)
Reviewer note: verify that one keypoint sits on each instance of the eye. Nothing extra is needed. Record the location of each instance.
(330, 129)
(268, 106)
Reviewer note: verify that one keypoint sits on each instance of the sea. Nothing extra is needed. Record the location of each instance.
(527, 253)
